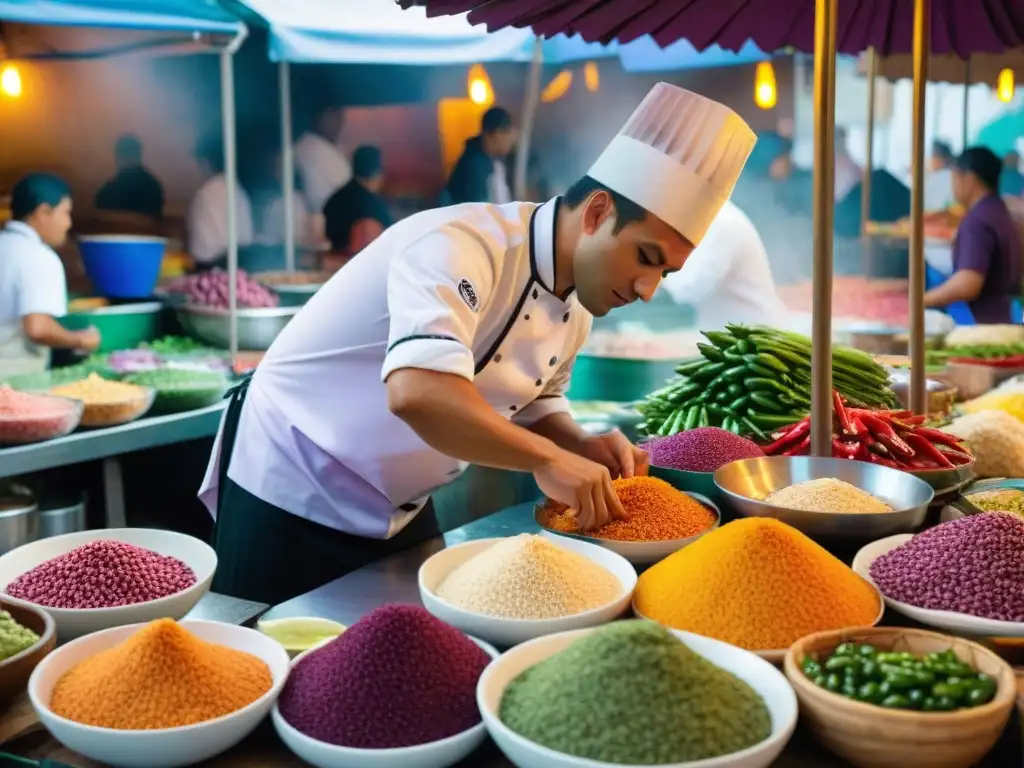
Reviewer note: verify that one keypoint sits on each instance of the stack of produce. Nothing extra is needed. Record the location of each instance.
(756, 583)
(162, 676)
(999, 500)
(210, 289)
(995, 355)
(106, 402)
(1011, 402)
(178, 390)
(855, 298)
(895, 439)
(656, 512)
(102, 574)
(828, 495)
(972, 565)
(752, 381)
(934, 682)
(632, 693)
(995, 438)
(14, 638)
(398, 677)
(984, 335)
(26, 418)
(703, 449)
(529, 577)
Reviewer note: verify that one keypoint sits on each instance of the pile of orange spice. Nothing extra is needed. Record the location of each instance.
(162, 676)
(657, 512)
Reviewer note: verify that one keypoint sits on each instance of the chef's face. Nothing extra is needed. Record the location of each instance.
(53, 222)
(613, 267)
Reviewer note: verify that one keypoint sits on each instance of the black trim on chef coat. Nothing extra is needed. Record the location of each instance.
(420, 336)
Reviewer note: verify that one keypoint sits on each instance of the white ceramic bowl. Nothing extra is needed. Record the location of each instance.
(765, 679)
(435, 754)
(956, 623)
(166, 748)
(508, 632)
(75, 622)
(638, 552)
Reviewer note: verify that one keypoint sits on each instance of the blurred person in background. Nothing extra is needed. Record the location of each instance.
(356, 214)
(262, 179)
(847, 172)
(206, 222)
(938, 183)
(727, 278)
(987, 252)
(132, 188)
(33, 289)
(1011, 180)
(481, 173)
(322, 166)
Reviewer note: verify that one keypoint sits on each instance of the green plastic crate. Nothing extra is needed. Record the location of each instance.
(124, 326)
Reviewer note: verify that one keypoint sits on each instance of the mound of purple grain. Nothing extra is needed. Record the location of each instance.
(701, 450)
(398, 677)
(974, 565)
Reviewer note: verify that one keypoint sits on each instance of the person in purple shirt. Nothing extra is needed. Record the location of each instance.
(987, 252)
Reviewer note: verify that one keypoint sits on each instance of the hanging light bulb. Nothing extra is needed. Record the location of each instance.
(1005, 86)
(557, 88)
(765, 91)
(479, 86)
(10, 81)
(591, 77)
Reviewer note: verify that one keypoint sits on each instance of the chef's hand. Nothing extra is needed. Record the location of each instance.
(582, 485)
(614, 451)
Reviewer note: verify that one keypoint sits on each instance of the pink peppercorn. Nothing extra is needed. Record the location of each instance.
(102, 574)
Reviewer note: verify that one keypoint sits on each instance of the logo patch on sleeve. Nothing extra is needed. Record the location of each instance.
(469, 294)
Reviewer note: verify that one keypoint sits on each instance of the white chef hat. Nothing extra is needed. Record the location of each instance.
(679, 157)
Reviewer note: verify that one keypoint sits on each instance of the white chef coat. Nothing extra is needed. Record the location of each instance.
(727, 278)
(497, 183)
(32, 282)
(207, 222)
(465, 290)
(323, 168)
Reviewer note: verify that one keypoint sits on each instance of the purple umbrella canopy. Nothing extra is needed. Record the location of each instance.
(961, 27)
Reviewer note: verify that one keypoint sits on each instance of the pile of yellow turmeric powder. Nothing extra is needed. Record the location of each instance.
(162, 676)
(756, 583)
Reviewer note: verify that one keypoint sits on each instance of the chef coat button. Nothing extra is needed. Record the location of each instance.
(540, 382)
(535, 293)
(565, 318)
(512, 407)
(497, 358)
(526, 317)
(552, 361)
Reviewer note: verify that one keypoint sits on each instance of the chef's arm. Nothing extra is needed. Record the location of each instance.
(451, 416)
(962, 285)
(46, 332)
(561, 429)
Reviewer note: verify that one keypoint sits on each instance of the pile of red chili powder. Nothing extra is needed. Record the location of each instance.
(701, 450)
(102, 574)
(396, 678)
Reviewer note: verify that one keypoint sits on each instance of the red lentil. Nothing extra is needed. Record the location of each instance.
(657, 512)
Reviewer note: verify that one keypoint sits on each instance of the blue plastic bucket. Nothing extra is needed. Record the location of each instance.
(122, 266)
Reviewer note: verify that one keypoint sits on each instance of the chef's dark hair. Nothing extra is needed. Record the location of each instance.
(35, 190)
(983, 163)
(626, 211)
(367, 162)
(943, 151)
(496, 119)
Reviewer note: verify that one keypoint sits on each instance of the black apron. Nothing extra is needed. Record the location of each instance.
(268, 555)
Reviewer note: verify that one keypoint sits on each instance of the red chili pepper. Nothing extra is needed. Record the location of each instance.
(840, 409)
(885, 434)
(857, 428)
(928, 451)
(937, 436)
(841, 450)
(800, 449)
(875, 447)
(876, 459)
(789, 437)
(957, 457)
(913, 421)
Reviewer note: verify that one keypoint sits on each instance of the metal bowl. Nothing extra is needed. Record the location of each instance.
(257, 328)
(747, 482)
(946, 481)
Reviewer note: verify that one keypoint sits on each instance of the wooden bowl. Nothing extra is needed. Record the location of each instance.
(15, 671)
(869, 736)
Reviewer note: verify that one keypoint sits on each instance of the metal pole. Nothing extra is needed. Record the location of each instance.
(967, 101)
(227, 97)
(287, 164)
(869, 144)
(530, 100)
(824, 202)
(918, 374)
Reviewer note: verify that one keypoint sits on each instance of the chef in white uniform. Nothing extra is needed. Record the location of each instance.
(727, 279)
(33, 290)
(322, 166)
(449, 341)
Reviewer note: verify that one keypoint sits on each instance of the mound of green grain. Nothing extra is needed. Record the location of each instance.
(633, 693)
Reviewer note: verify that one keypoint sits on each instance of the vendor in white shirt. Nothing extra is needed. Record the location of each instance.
(322, 166)
(448, 341)
(33, 289)
(206, 223)
(727, 279)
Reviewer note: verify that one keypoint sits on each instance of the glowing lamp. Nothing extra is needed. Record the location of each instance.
(1005, 86)
(591, 77)
(557, 88)
(765, 91)
(479, 86)
(10, 81)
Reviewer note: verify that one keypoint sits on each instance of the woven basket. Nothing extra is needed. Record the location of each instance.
(869, 736)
